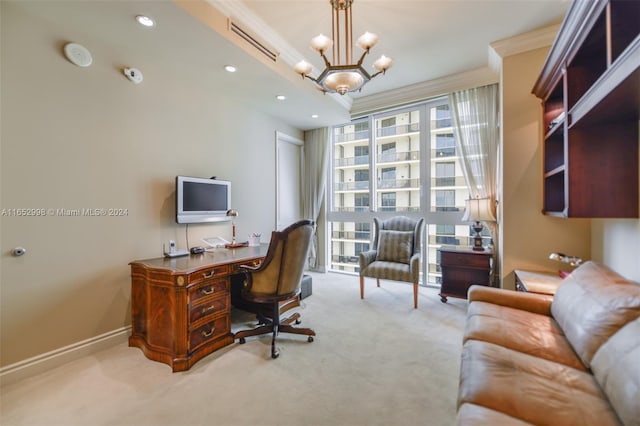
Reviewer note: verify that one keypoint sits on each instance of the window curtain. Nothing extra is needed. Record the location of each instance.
(475, 116)
(316, 161)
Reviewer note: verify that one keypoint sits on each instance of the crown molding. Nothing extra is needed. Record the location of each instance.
(542, 37)
(424, 90)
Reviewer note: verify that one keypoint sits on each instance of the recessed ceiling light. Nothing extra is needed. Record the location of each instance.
(229, 68)
(314, 116)
(281, 97)
(145, 20)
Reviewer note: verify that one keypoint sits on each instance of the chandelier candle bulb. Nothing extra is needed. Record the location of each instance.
(367, 40)
(321, 43)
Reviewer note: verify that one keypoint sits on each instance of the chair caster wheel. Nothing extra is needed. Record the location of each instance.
(310, 339)
(242, 341)
(275, 355)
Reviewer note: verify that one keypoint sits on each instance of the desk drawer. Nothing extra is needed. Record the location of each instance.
(209, 307)
(208, 288)
(464, 260)
(207, 274)
(209, 331)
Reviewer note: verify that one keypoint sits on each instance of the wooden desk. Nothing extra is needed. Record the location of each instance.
(461, 268)
(180, 307)
(541, 282)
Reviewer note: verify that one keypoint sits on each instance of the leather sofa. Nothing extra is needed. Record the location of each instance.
(568, 359)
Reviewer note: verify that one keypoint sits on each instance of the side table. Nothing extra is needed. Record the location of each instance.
(461, 268)
(542, 282)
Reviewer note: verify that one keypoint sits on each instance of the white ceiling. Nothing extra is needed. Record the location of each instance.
(427, 39)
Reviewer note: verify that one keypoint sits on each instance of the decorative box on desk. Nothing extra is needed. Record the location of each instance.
(461, 268)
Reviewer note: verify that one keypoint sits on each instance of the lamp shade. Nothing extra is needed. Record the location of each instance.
(479, 209)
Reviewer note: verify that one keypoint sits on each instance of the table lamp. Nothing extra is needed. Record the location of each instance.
(478, 210)
(233, 214)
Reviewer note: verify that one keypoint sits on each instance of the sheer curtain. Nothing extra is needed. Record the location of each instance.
(474, 113)
(316, 159)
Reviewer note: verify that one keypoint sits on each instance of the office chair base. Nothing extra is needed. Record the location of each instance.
(266, 325)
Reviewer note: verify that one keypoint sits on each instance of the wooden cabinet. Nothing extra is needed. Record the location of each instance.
(180, 307)
(462, 268)
(590, 91)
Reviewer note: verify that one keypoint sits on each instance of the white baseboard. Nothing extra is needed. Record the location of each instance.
(44, 362)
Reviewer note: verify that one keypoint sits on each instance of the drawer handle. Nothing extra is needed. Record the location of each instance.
(207, 291)
(208, 274)
(210, 308)
(208, 333)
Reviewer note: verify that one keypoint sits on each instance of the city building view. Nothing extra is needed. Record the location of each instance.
(398, 163)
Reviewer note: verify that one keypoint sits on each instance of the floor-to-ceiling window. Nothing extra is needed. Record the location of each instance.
(400, 162)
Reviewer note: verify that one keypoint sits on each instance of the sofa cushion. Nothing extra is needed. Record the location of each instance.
(477, 415)
(592, 304)
(531, 389)
(523, 331)
(395, 246)
(615, 366)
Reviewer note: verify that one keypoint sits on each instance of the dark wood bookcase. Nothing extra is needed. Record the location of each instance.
(590, 92)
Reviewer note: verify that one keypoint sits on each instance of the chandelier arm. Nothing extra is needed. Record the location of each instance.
(326, 61)
(379, 72)
(362, 57)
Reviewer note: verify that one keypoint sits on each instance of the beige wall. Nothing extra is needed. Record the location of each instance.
(528, 236)
(76, 138)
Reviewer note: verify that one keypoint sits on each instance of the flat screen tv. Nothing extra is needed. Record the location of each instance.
(201, 200)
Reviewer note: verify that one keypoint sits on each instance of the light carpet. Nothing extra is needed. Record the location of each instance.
(375, 361)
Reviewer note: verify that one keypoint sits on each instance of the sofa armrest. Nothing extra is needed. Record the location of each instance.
(532, 302)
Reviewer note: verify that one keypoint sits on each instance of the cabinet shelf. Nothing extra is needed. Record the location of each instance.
(559, 169)
(592, 73)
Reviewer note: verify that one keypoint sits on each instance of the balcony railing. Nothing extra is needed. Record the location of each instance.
(449, 151)
(449, 240)
(351, 209)
(443, 122)
(353, 136)
(398, 183)
(351, 235)
(447, 209)
(345, 259)
(401, 129)
(399, 209)
(352, 161)
(448, 181)
(392, 157)
(352, 186)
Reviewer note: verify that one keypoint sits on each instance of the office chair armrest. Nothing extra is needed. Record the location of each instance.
(366, 258)
(248, 268)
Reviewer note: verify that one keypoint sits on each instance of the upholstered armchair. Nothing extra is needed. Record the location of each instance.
(273, 287)
(395, 253)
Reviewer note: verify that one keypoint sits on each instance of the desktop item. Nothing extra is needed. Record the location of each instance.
(201, 200)
(173, 251)
(215, 242)
(197, 250)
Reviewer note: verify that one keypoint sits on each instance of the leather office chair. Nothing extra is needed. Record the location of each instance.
(395, 253)
(273, 287)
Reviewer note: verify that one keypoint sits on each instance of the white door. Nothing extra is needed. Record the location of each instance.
(289, 157)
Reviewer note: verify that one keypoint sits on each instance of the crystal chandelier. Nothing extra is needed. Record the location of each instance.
(343, 75)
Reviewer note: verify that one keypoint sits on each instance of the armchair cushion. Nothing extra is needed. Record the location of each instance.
(395, 246)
